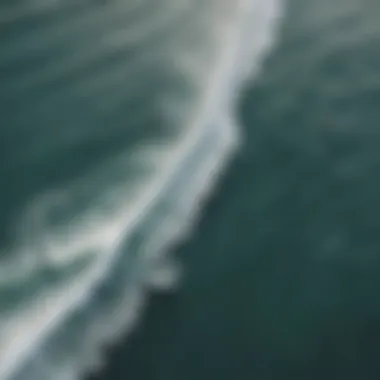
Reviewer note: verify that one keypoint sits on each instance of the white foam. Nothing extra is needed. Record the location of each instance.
(28, 329)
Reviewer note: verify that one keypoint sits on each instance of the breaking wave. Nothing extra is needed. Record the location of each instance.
(122, 116)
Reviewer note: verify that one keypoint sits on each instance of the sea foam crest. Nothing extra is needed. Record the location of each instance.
(101, 259)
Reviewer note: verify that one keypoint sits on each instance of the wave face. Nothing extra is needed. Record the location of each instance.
(117, 118)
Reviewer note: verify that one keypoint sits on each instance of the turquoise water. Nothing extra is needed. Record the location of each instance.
(116, 117)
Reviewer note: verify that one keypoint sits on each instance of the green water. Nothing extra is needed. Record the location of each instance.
(282, 274)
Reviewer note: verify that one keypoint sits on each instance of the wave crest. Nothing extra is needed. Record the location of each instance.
(89, 251)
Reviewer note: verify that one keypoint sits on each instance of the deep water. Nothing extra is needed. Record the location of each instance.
(117, 121)
(102, 101)
(282, 275)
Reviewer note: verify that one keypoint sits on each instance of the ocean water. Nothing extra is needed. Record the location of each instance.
(118, 118)
(281, 276)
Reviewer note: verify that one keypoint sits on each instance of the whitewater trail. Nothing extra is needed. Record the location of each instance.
(87, 251)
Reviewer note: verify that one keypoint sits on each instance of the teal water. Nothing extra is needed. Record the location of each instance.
(115, 116)
(282, 275)
(117, 120)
